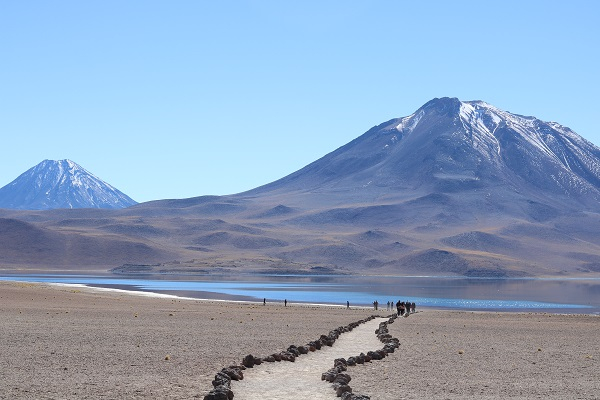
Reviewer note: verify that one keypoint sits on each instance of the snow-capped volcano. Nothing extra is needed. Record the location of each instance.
(451, 146)
(60, 184)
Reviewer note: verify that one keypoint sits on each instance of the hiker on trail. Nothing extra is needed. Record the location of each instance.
(413, 306)
(375, 304)
(398, 307)
(387, 307)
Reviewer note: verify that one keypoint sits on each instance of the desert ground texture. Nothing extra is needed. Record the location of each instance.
(60, 342)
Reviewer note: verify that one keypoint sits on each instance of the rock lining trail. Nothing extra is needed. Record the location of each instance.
(302, 378)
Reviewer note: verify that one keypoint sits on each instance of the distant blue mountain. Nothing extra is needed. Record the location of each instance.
(60, 184)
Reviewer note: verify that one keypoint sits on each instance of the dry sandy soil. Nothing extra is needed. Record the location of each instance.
(70, 343)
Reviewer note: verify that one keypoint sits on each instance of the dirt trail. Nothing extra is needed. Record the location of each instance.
(302, 378)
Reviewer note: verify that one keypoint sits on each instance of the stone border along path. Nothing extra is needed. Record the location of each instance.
(277, 380)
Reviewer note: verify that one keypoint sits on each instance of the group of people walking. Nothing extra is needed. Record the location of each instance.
(404, 308)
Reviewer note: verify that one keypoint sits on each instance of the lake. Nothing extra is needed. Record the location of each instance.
(518, 294)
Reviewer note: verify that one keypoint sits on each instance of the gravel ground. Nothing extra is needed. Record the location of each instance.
(482, 355)
(67, 343)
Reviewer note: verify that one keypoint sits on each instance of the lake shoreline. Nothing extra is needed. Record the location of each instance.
(577, 296)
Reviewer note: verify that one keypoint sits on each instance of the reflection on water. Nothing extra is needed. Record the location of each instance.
(555, 295)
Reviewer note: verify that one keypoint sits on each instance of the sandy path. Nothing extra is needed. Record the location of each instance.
(302, 378)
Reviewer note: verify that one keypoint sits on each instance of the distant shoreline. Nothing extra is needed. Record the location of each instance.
(175, 297)
(305, 292)
(261, 272)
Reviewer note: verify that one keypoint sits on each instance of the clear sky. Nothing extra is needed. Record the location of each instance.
(175, 99)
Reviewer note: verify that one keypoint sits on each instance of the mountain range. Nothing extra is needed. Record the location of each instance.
(60, 184)
(456, 188)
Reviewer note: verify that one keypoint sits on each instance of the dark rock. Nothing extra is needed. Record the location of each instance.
(351, 396)
(316, 344)
(328, 376)
(248, 361)
(351, 361)
(221, 379)
(342, 389)
(294, 350)
(302, 349)
(339, 361)
(234, 373)
(219, 393)
(342, 378)
(341, 364)
(340, 368)
(287, 356)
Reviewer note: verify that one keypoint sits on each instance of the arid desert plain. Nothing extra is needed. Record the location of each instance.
(61, 342)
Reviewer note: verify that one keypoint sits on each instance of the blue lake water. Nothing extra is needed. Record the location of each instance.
(519, 294)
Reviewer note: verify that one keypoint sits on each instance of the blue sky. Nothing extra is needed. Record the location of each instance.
(175, 99)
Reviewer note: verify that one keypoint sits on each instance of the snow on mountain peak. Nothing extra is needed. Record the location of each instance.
(408, 124)
(61, 184)
(481, 122)
(503, 140)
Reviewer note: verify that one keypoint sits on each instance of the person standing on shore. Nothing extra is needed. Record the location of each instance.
(285, 303)
(347, 304)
